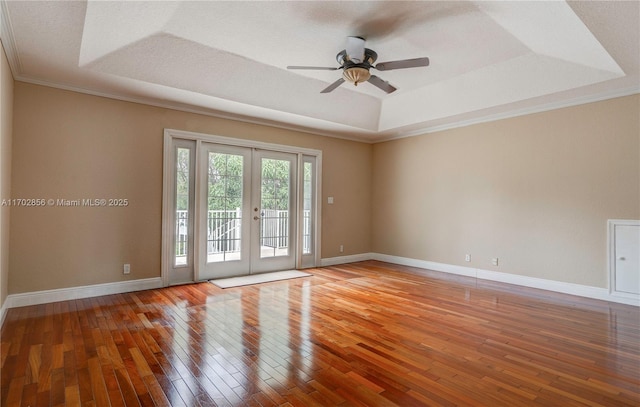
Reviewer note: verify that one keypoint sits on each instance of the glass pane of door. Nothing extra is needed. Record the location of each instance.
(275, 207)
(224, 207)
(307, 217)
(307, 208)
(183, 181)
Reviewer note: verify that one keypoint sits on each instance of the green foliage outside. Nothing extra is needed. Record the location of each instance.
(275, 184)
(182, 179)
(225, 182)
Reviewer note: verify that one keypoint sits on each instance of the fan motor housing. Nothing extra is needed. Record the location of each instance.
(370, 56)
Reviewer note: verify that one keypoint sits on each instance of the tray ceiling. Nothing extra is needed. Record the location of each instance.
(488, 59)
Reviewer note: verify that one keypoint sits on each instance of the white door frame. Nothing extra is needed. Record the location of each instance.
(168, 177)
(611, 255)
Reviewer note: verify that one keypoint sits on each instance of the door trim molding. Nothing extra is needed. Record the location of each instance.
(212, 138)
(171, 134)
(167, 176)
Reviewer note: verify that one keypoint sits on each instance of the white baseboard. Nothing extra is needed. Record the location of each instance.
(74, 293)
(3, 312)
(332, 261)
(525, 281)
(424, 264)
(543, 284)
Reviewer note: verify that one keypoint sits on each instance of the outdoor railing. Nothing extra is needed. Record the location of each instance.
(223, 230)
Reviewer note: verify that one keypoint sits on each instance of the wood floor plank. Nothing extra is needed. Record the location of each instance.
(72, 396)
(35, 354)
(57, 387)
(29, 395)
(14, 392)
(360, 334)
(127, 391)
(98, 386)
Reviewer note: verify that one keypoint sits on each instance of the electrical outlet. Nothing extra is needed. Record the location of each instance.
(126, 269)
(467, 257)
(494, 261)
(341, 248)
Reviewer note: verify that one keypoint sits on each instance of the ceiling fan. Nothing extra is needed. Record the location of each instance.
(356, 60)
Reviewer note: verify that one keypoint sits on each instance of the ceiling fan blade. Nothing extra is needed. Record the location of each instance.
(315, 68)
(333, 86)
(355, 49)
(382, 84)
(404, 63)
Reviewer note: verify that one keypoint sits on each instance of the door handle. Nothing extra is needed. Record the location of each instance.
(256, 218)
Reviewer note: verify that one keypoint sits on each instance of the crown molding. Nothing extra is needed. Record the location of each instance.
(192, 109)
(545, 107)
(8, 40)
(365, 138)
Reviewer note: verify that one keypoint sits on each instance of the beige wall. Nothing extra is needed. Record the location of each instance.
(74, 146)
(535, 191)
(6, 133)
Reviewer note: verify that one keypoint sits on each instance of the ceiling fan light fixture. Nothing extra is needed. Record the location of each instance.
(355, 62)
(356, 75)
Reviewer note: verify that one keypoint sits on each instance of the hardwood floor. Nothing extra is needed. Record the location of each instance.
(363, 334)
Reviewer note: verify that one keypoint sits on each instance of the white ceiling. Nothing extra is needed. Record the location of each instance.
(488, 59)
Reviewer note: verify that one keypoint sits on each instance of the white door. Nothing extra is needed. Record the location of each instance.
(223, 216)
(274, 211)
(627, 258)
(247, 214)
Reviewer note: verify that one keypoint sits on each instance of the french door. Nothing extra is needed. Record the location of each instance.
(234, 207)
(248, 211)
